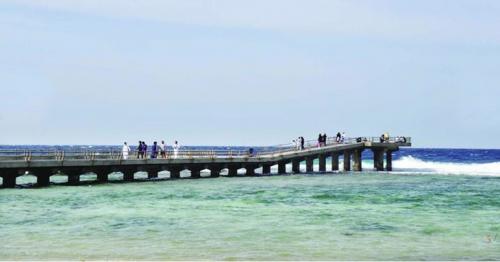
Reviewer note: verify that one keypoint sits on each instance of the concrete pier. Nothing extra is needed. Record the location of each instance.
(102, 176)
(322, 163)
(281, 168)
(347, 160)
(232, 171)
(152, 173)
(73, 179)
(357, 160)
(388, 160)
(335, 161)
(266, 169)
(42, 180)
(74, 165)
(215, 172)
(9, 181)
(128, 175)
(378, 159)
(175, 173)
(250, 170)
(309, 164)
(196, 172)
(296, 166)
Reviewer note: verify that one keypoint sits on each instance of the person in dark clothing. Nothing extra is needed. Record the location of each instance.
(139, 150)
(324, 139)
(320, 140)
(339, 136)
(301, 143)
(154, 150)
(144, 150)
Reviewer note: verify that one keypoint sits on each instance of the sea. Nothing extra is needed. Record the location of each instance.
(437, 204)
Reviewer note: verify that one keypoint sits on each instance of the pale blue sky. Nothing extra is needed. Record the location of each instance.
(249, 72)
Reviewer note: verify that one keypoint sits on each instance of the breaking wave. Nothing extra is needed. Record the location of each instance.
(412, 164)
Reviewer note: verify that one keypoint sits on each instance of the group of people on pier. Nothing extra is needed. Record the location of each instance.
(156, 151)
(161, 150)
(299, 143)
(385, 138)
(340, 138)
(322, 139)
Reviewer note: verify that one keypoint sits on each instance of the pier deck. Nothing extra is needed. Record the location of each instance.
(73, 164)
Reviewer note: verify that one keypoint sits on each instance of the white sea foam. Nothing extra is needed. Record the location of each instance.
(412, 164)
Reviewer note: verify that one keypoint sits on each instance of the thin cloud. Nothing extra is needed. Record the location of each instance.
(421, 20)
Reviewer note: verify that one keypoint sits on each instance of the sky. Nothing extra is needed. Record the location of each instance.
(256, 72)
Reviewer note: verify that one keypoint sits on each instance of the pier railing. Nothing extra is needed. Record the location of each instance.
(186, 153)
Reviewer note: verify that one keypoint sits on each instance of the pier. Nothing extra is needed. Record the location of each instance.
(232, 163)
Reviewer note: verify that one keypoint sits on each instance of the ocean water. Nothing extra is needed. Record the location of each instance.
(438, 204)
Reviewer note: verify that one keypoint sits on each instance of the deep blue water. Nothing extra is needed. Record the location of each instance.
(450, 155)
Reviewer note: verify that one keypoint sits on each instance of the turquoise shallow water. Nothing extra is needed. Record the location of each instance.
(300, 217)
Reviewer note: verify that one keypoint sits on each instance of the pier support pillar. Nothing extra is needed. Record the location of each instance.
(296, 166)
(195, 173)
(347, 160)
(214, 172)
(388, 159)
(335, 161)
(250, 170)
(378, 159)
(232, 171)
(322, 163)
(102, 177)
(128, 175)
(152, 173)
(266, 169)
(357, 165)
(309, 165)
(175, 173)
(42, 180)
(282, 168)
(9, 181)
(73, 179)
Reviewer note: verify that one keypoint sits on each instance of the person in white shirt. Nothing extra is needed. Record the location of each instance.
(176, 147)
(125, 151)
(163, 149)
(342, 137)
(386, 137)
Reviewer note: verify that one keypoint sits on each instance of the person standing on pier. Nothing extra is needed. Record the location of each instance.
(386, 137)
(342, 138)
(125, 151)
(154, 150)
(320, 140)
(324, 139)
(302, 143)
(139, 150)
(163, 149)
(144, 150)
(176, 148)
(337, 139)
